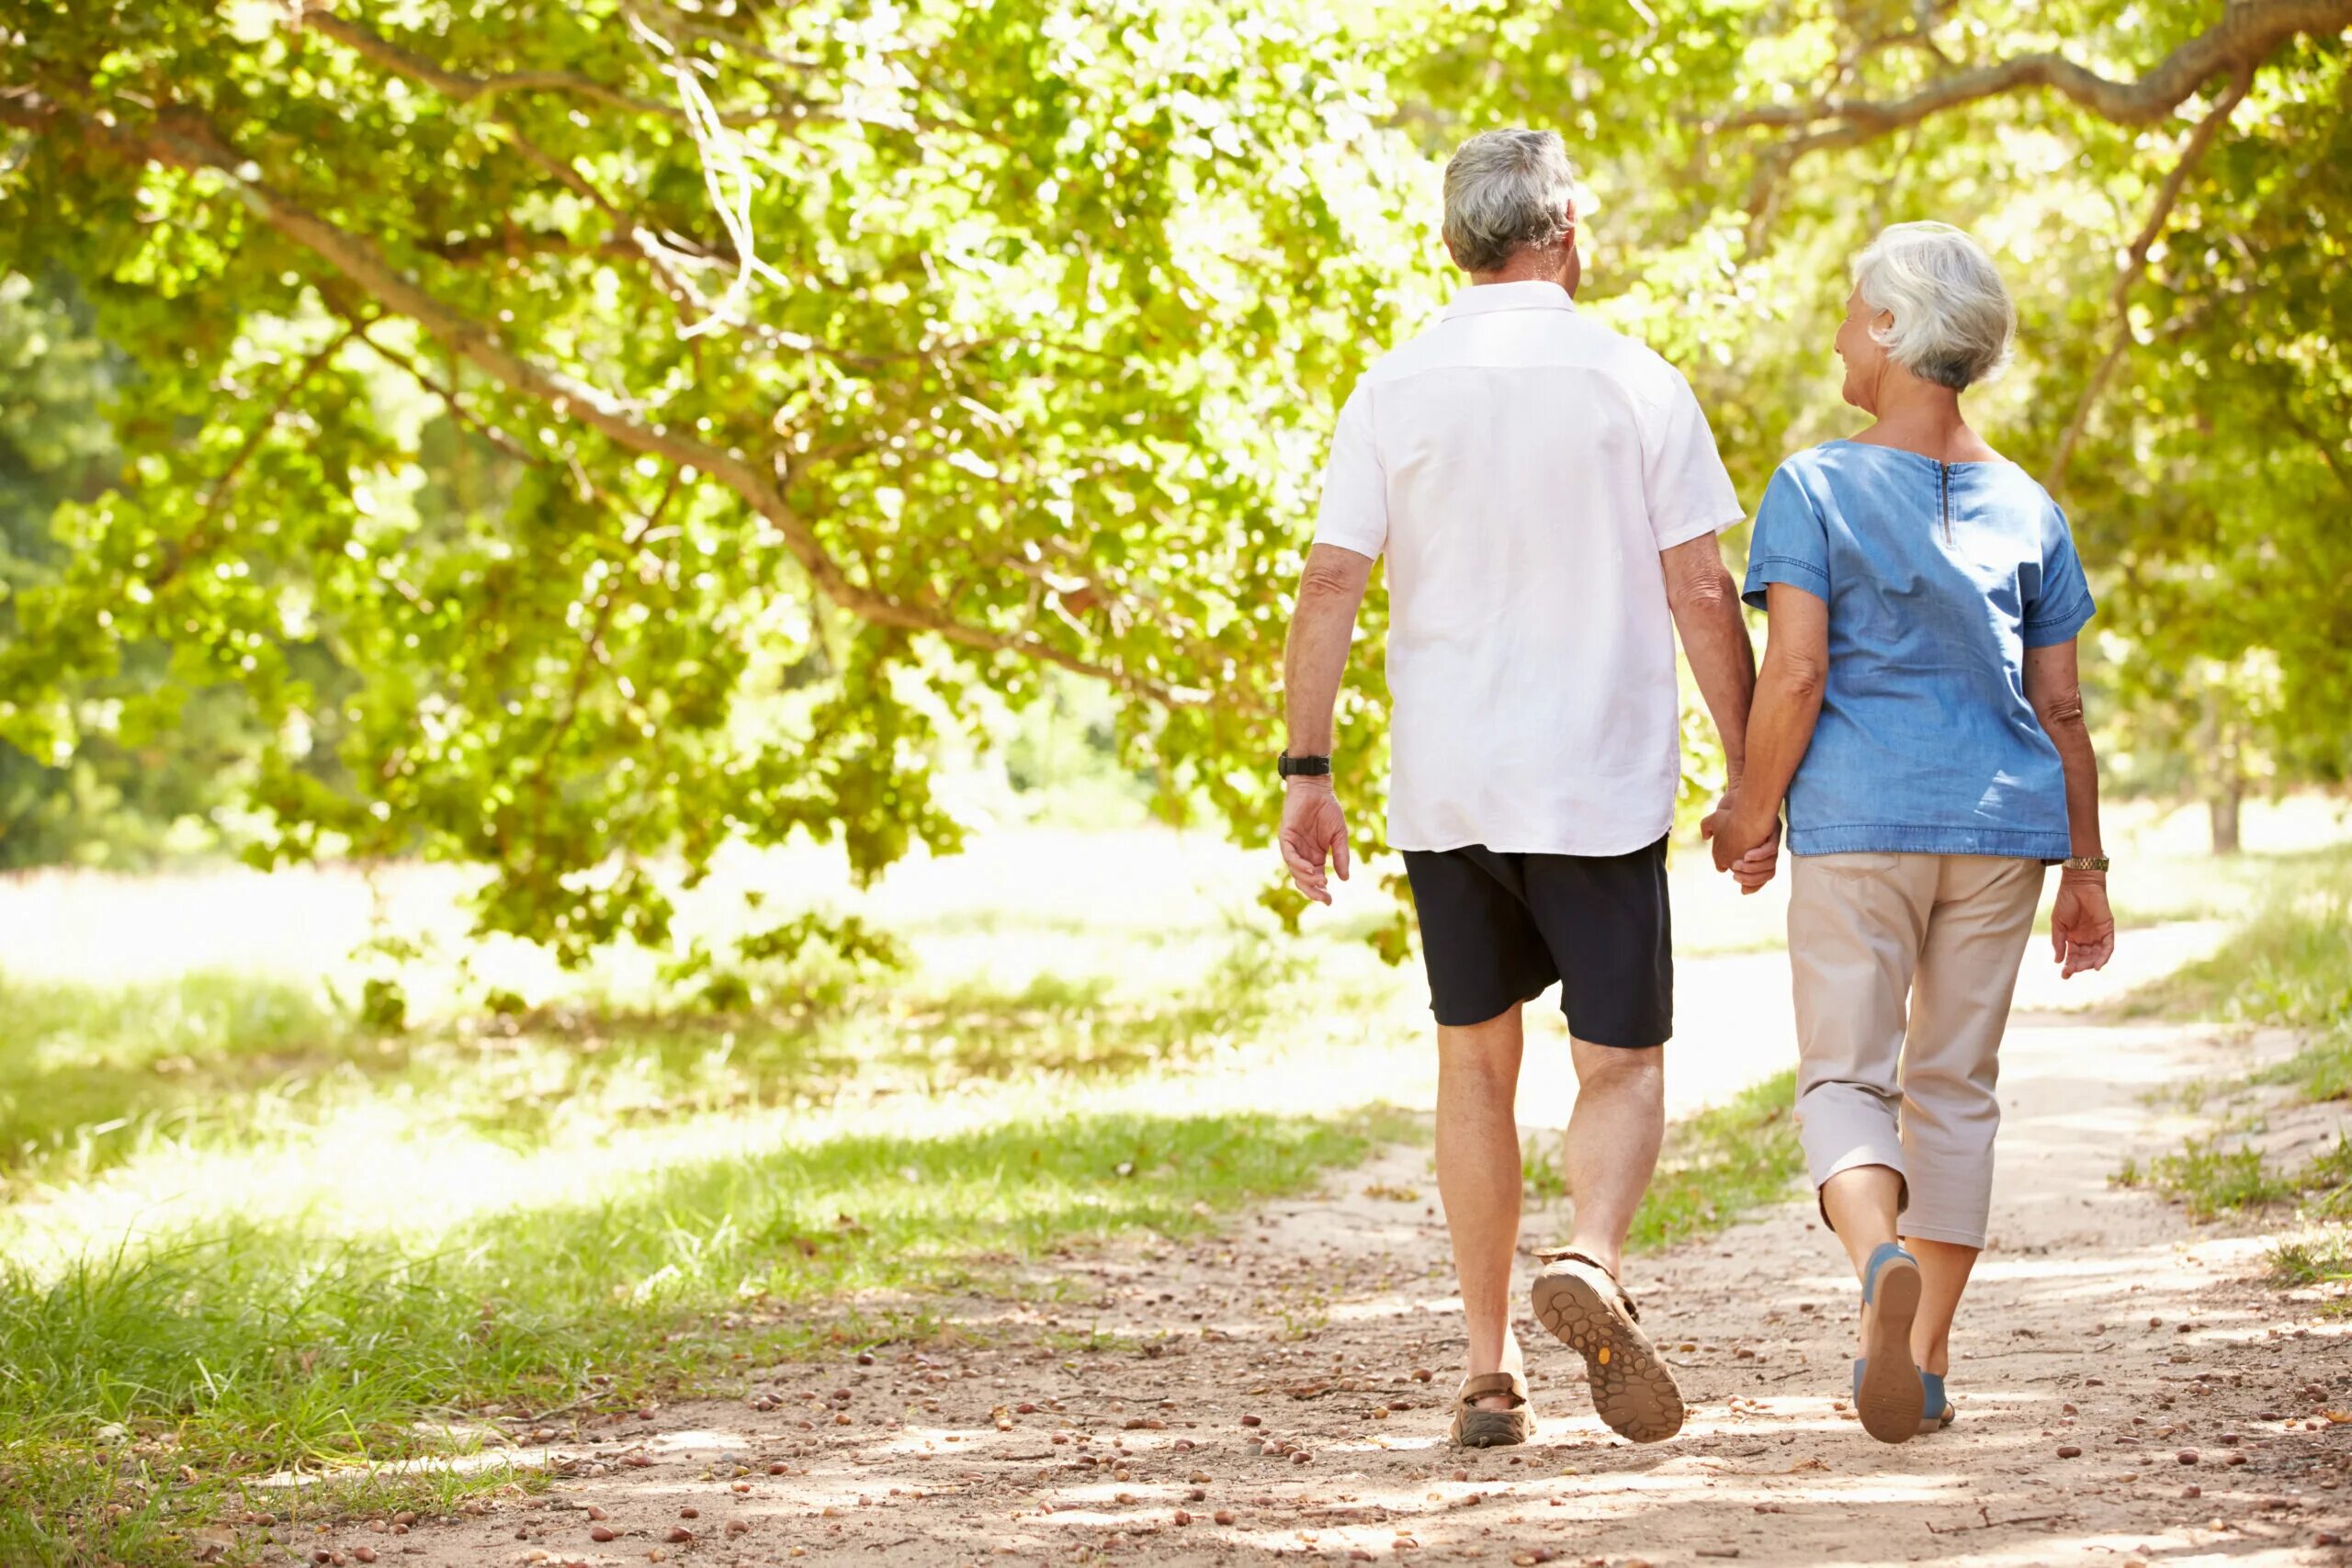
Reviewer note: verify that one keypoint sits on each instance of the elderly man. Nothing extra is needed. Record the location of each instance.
(1548, 495)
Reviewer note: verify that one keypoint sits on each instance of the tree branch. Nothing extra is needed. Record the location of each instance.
(2247, 34)
(180, 138)
(216, 494)
(465, 89)
(2135, 266)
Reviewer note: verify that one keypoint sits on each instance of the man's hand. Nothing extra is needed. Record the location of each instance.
(2082, 928)
(1314, 829)
(1750, 851)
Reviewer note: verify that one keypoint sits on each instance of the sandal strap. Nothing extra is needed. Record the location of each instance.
(1570, 1255)
(1486, 1385)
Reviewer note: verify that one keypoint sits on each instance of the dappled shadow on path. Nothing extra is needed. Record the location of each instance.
(2126, 1390)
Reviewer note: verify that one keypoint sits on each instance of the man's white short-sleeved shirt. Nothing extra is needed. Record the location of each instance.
(1521, 467)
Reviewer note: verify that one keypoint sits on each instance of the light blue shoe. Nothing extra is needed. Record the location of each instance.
(1938, 1412)
(1890, 1394)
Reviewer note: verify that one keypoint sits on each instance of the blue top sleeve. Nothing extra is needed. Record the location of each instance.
(1789, 543)
(2065, 605)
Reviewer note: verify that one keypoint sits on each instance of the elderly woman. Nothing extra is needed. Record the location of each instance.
(1919, 711)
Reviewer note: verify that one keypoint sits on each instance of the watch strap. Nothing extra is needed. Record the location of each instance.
(1289, 767)
(2086, 862)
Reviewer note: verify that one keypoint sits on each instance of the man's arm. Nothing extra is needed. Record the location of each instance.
(1705, 602)
(1313, 661)
(2082, 926)
(1780, 726)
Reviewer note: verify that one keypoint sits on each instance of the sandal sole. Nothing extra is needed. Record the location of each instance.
(1891, 1400)
(1633, 1392)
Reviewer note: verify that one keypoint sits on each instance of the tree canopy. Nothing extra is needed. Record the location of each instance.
(577, 436)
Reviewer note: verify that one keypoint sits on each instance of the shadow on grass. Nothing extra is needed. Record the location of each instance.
(88, 1072)
(90, 1075)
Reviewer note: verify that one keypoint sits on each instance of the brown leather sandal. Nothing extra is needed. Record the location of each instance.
(1588, 1311)
(1476, 1427)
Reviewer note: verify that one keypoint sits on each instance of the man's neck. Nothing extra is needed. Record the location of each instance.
(1551, 269)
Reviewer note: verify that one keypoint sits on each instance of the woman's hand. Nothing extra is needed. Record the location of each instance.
(1749, 850)
(2082, 928)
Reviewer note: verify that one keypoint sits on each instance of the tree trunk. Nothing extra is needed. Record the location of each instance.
(2221, 809)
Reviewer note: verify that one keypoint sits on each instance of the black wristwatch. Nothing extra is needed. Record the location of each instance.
(1289, 767)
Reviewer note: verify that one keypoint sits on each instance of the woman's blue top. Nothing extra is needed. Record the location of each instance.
(1939, 576)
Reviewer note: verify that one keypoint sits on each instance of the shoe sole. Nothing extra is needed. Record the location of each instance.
(1631, 1390)
(1891, 1400)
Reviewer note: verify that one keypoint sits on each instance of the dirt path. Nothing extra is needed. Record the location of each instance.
(2127, 1392)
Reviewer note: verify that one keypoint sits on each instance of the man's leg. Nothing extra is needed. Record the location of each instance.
(1612, 1142)
(1478, 1177)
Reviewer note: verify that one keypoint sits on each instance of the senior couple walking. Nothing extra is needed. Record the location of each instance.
(1547, 496)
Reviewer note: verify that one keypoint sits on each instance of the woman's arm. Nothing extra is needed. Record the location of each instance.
(1780, 725)
(2082, 926)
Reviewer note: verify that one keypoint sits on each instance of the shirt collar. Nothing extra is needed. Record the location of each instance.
(1533, 294)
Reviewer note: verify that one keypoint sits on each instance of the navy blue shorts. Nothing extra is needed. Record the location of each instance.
(1498, 929)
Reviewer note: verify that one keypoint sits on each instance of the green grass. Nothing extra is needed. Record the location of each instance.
(2288, 964)
(1721, 1163)
(254, 1348)
(242, 1232)
(2321, 1259)
(1714, 1168)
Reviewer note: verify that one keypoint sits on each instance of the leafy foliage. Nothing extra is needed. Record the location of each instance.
(572, 438)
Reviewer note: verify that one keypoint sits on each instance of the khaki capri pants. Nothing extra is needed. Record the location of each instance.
(1904, 966)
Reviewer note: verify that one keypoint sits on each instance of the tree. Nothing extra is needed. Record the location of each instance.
(667, 417)
(917, 349)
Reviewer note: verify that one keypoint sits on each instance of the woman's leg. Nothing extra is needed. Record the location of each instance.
(1860, 1203)
(1943, 1275)
(1855, 924)
(1968, 969)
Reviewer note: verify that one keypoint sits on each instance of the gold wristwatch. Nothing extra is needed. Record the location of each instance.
(2086, 862)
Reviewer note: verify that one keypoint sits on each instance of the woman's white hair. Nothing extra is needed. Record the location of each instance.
(1504, 191)
(1954, 319)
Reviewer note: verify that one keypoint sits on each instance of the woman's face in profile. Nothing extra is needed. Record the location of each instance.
(1863, 355)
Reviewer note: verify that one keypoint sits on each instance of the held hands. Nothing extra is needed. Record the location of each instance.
(2082, 928)
(1312, 829)
(1749, 849)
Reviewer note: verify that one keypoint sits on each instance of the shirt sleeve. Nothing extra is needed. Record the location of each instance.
(1690, 493)
(1354, 513)
(2063, 606)
(1790, 545)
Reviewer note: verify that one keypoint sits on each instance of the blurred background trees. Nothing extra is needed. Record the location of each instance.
(571, 439)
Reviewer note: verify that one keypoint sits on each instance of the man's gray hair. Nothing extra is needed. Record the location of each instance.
(1953, 321)
(1504, 191)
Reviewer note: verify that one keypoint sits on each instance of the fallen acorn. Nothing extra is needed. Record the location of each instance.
(1223, 1516)
(603, 1533)
(679, 1535)
(737, 1527)
(364, 1554)
(2186, 1456)
(1181, 1517)
(2068, 1451)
